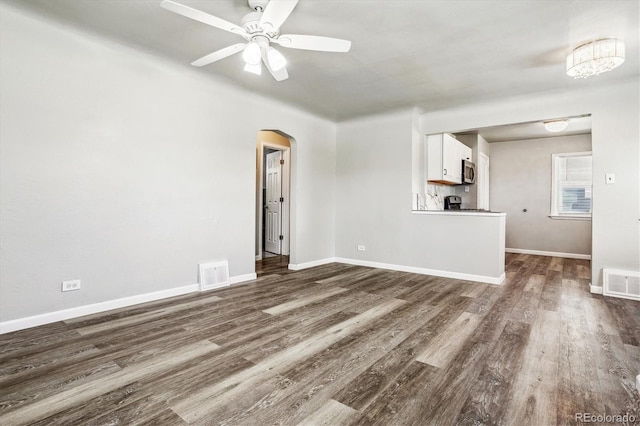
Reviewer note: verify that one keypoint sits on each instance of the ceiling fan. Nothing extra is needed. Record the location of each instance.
(260, 29)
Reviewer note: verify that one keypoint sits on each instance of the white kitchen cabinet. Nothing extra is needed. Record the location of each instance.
(444, 159)
(467, 153)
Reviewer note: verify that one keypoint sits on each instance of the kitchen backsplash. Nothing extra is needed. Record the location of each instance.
(435, 196)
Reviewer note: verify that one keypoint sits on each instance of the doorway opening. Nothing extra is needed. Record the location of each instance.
(273, 201)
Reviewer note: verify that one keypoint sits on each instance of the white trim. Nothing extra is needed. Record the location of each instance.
(555, 186)
(242, 278)
(313, 263)
(567, 217)
(595, 289)
(458, 213)
(285, 248)
(549, 253)
(94, 308)
(392, 267)
(259, 257)
(424, 271)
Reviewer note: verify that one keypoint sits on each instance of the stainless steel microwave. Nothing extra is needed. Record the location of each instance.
(468, 172)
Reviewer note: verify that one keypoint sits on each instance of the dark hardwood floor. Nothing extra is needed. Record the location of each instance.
(272, 265)
(338, 344)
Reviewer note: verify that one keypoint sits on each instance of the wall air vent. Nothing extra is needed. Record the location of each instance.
(213, 275)
(617, 283)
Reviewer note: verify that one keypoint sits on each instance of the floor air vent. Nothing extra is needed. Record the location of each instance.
(213, 275)
(625, 284)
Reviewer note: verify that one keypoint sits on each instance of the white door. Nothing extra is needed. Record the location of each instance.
(483, 182)
(273, 204)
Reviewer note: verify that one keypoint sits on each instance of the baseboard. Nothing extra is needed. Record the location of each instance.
(549, 253)
(242, 278)
(258, 257)
(595, 289)
(65, 314)
(299, 266)
(424, 271)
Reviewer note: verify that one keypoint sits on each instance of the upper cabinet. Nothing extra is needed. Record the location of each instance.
(444, 159)
(466, 152)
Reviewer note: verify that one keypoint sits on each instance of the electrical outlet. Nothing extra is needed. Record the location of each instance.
(360, 248)
(466, 188)
(71, 285)
(610, 178)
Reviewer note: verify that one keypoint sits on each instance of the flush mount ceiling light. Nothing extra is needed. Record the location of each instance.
(556, 125)
(595, 57)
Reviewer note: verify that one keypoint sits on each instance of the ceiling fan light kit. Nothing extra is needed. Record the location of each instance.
(253, 68)
(260, 28)
(276, 60)
(252, 53)
(595, 57)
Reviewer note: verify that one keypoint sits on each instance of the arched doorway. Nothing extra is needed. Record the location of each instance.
(274, 194)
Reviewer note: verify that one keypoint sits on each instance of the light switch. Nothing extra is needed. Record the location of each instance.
(610, 178)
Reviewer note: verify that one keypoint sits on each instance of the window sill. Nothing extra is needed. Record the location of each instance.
(569, 217)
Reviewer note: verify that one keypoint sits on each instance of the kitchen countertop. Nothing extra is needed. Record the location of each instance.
(459, 212)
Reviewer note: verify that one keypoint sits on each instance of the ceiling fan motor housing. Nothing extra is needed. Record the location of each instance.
(251, 24)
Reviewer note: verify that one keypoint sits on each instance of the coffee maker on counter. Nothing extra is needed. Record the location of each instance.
(452, 202)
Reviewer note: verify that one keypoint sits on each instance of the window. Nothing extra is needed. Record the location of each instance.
(571, 185)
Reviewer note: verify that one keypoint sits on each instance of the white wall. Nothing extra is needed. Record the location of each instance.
(616, 149)
(126, 171)
(521, 179)
(374, 202)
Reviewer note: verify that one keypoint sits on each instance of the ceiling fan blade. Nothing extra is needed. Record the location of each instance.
(276, 12)
(203, 17)
(279, 75)
(219, 54)
(310, 42)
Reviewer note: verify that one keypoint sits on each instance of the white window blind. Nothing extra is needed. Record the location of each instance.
(571, 185)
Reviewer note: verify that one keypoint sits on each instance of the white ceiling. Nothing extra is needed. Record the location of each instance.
(418, 53)
(578, 125)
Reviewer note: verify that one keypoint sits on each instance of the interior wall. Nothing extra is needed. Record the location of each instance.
(615, 114)
(126, 170)
(521, 180)
(374, 203)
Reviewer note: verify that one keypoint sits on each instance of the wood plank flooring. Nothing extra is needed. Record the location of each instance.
(338, 345)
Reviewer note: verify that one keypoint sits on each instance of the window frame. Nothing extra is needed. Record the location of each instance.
(555, 188)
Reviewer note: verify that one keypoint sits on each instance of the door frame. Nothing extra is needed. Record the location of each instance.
(286, 205)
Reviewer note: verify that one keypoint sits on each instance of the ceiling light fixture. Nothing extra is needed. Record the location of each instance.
(252, 53)
(276, 60)
(253, 68)
(556, 125)
(595, 57)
